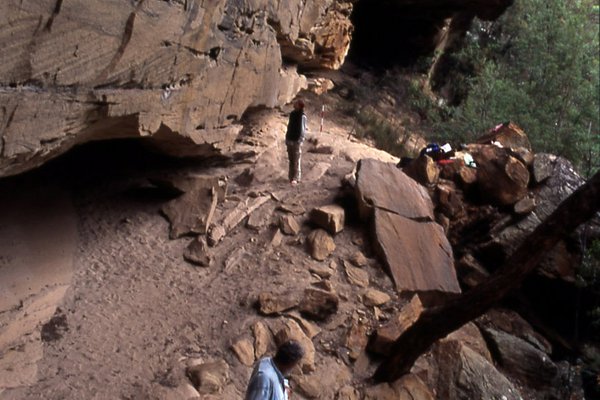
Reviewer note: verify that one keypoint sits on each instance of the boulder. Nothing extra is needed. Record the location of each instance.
(329, 217)
(320, 244)
(561, 262)
(462, 373)
(501, 178)
(318, 304)
(176, 73)
(507, 134)
(423, 169)
(523, 361)
(209, 378)
(512, 323)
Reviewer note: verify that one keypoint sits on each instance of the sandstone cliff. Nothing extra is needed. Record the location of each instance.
(179, 71)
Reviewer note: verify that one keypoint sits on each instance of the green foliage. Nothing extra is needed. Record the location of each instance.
(538, 66)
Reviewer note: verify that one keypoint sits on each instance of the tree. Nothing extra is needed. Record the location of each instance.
(436, 323)
(538, 66)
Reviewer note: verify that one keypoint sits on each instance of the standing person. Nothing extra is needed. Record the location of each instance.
(267, 381)
(296, 131)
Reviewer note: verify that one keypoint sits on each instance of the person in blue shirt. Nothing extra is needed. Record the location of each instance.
(294, 136)
(267, 381)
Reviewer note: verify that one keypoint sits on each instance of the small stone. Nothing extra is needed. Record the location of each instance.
(348, 393)
(197, 252)
(295, 209)
(359, 259)
(209, 378)
(277, 238)
(357, 338)
(525, 205)
(289, 225)
(318, 304)
(356, 276)
(215, 234)
(270, 303)
(373, 297)
(244, 350)
(311, 330)
(325, 285)
(262, 339)
(320, 244)
(330, 217)
(320, 270)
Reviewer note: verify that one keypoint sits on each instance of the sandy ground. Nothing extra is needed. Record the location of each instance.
(96, 302)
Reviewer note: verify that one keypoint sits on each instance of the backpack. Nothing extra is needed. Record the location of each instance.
(294, 128)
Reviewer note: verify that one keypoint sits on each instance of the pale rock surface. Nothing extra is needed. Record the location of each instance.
(177, 73)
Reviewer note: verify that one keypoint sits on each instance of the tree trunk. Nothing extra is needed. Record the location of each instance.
(436, 323)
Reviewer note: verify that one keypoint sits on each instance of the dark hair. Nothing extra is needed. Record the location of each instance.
(300, 103)
(289, 353)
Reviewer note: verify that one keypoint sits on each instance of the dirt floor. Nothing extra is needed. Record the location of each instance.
(96, 302)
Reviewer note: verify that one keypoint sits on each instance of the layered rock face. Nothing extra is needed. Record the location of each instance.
(178, 72)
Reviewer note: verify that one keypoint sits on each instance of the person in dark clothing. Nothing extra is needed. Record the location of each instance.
(296, 132)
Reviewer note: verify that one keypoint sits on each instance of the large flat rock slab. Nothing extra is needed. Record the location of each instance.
(413, 247)
(418, 254)
(382, 185)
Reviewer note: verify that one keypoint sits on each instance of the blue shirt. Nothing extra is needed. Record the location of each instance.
(266, 382)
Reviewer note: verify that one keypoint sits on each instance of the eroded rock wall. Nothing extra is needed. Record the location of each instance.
(178, 71)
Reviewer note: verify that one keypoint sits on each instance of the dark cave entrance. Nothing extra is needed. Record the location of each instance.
(389, 33)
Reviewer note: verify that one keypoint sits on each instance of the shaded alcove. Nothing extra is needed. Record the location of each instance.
(389, 33)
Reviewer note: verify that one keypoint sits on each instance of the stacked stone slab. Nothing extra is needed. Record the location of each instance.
(414, 248)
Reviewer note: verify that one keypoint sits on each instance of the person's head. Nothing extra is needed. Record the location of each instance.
(288, 355)
(299, 104)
